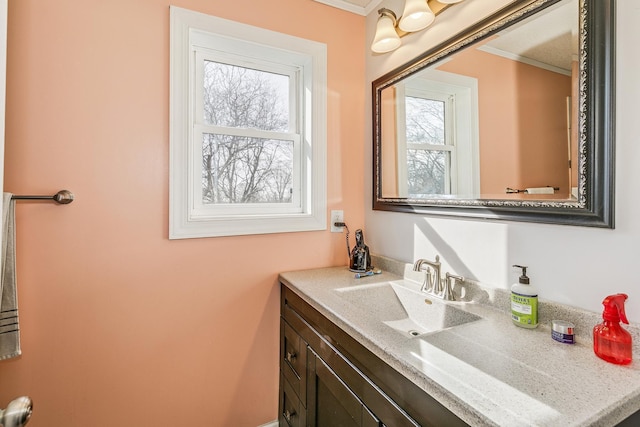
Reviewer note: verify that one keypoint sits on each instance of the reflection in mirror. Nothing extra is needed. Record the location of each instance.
(491, 118)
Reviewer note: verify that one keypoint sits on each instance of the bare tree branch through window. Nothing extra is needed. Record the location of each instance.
(426, 166)
(238, 168)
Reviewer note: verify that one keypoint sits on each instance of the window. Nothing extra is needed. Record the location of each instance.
(248, 138)
(438, 136)
(431, 150)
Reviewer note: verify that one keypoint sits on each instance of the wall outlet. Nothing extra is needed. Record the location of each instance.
(336, 216)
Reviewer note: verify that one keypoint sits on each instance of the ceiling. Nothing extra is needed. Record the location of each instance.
(551, 38)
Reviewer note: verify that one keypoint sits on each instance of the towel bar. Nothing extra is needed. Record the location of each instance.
(62, 197)
(513, 190)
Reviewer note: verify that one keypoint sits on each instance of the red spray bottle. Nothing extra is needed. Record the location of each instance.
(610, 341)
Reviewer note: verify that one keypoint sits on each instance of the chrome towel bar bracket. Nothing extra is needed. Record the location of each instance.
(62, 197)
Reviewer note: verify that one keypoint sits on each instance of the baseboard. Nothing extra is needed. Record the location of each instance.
(271, 424)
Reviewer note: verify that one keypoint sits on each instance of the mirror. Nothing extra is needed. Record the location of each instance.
(510, 119)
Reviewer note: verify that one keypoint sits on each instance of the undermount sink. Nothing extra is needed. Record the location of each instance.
(406, 310)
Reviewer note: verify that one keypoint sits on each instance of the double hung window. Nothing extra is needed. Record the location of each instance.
(431, 149)
(437, 134)
(247, 129)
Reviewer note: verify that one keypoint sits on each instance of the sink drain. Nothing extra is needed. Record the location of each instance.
(414, 333)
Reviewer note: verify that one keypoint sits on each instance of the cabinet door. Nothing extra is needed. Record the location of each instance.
(330, 402)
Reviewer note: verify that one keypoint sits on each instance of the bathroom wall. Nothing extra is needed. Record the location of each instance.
(121, 326)
(536, 118)
(573, 265)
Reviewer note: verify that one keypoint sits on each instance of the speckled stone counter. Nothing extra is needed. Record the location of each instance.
(488, 372)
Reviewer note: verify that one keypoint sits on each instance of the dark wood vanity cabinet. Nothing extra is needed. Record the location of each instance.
(328, 379)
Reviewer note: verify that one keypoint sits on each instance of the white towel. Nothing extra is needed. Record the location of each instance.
(540, 190)
(9, 330)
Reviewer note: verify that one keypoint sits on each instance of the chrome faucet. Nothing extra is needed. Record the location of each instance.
(431, 284)
(434, 284)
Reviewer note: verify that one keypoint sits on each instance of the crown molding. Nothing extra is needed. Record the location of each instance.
(350, 7)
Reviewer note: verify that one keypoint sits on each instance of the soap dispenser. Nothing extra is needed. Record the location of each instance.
(524, 301)
(610, 341)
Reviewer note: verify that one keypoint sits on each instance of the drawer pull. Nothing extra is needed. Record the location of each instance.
(288, 415)
(290, 356)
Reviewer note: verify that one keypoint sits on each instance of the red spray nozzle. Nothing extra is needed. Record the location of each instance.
(614, 308)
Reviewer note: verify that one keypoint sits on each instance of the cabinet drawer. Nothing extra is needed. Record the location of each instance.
(293, 360)
(292, 413)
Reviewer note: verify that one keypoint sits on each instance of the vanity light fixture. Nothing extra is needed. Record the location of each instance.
(416, 15)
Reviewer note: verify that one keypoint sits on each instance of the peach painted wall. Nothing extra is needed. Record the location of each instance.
(537, 117)
(121, 326)
(389, 146)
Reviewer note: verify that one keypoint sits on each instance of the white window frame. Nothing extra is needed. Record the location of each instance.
(194, 35)
(461, 92)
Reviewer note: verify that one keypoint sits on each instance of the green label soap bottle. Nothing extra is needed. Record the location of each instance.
(524, 302)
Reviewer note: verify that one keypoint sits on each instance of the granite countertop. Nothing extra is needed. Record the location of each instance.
(488, 372)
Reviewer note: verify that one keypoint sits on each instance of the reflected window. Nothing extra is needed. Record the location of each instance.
(430, 145)
(437, 154)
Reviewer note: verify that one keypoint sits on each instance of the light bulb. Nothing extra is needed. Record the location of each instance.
(417, 15)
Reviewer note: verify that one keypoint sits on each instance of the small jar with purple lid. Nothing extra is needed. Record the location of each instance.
(562, 331)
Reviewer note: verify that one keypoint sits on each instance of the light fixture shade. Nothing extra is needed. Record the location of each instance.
(386, 38)
(416, 16)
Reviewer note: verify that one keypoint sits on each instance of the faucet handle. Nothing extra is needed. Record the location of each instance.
(432, 282)
(447, 291)
(427, 285)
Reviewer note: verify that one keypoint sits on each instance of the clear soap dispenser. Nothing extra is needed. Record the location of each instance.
(610, 341)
